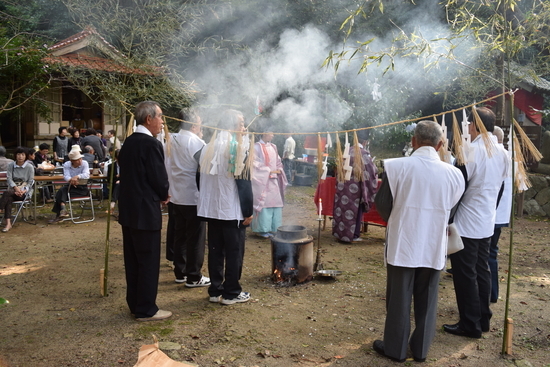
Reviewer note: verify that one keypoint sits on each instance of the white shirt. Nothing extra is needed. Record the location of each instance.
(424, 190)
(181, 167)
(504, 208)
(289, 147)
(82, 171)
(219, 198)
(475, 216)
(142, 129)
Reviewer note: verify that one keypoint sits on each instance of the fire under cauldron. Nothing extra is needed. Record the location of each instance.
(292, 255)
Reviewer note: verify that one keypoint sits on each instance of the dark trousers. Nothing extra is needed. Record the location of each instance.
(288, 166)
(225, 257)
(404, 284)
(62, 195)
(142, 266)
(358, 222)
(6, 202)
(189, 242)
(170, 233)
(472, 281)
(493, 263)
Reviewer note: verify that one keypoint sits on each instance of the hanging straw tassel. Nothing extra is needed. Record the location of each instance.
(227, 154)
(339, 160)
(527, 144)
(248, 172)
(130, 128)
(320, 150)
(208, 155)
(358, 164)
(489, 143)
(457, 143)
(522, 182)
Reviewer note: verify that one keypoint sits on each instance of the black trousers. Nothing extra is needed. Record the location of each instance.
(170, 233)
(62, 195)
(493, 263)
(142, 266)
(472, 281)
(404, 285)
(225, 257)
(189, 242)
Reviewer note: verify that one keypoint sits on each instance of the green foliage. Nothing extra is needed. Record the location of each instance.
(23, 75)
(513, 30)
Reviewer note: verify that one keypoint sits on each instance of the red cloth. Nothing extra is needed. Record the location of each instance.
(526, 102)
(326, 190)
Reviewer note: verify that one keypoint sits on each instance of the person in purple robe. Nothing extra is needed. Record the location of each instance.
(354, 197)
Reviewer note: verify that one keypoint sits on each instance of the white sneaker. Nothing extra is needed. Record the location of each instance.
(203, 282)
(215, 299)
(179, 281)
(160, 315)
(241, 298)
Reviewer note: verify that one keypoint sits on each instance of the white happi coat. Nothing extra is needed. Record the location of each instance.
(504, 208)
(181, 167)
(424, 190)
(219, 196)
(475, 216)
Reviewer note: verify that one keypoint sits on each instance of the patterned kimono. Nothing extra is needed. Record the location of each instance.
(352, 199)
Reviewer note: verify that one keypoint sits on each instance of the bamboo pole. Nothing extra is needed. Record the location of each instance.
(508, 330)
(104, 273)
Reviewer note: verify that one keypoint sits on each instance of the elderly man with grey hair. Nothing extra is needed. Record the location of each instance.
(415, 198)
(143, 188)
(3, 160)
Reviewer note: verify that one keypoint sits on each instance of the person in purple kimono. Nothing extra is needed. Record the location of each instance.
(354, 197)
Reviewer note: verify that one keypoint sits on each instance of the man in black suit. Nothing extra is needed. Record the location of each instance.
(143, 188)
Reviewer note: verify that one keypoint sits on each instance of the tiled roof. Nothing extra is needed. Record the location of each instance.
(81, 61)
(87, 32)
(528, 76)
(74, 52)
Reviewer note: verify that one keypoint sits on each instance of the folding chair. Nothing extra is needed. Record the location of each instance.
(86, 202)
(97, 188)
(3, 183)
(23, 205)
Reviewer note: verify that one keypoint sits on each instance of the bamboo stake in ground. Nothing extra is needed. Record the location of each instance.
(508, 333)
(102, 282)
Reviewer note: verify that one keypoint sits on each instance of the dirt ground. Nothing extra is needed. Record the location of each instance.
(56, 316)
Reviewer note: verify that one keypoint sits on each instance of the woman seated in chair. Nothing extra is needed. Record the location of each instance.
(74, 171)
(20, 175)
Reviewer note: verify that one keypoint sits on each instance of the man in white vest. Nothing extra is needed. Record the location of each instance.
(475, 222)
(415, 198)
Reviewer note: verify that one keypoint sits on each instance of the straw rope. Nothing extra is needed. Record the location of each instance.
(363, 128)
(527, 145)
(489, 143)
(521, 180)
(358, 165)
(457, 143)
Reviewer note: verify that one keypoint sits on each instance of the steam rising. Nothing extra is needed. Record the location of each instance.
(284, 70)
